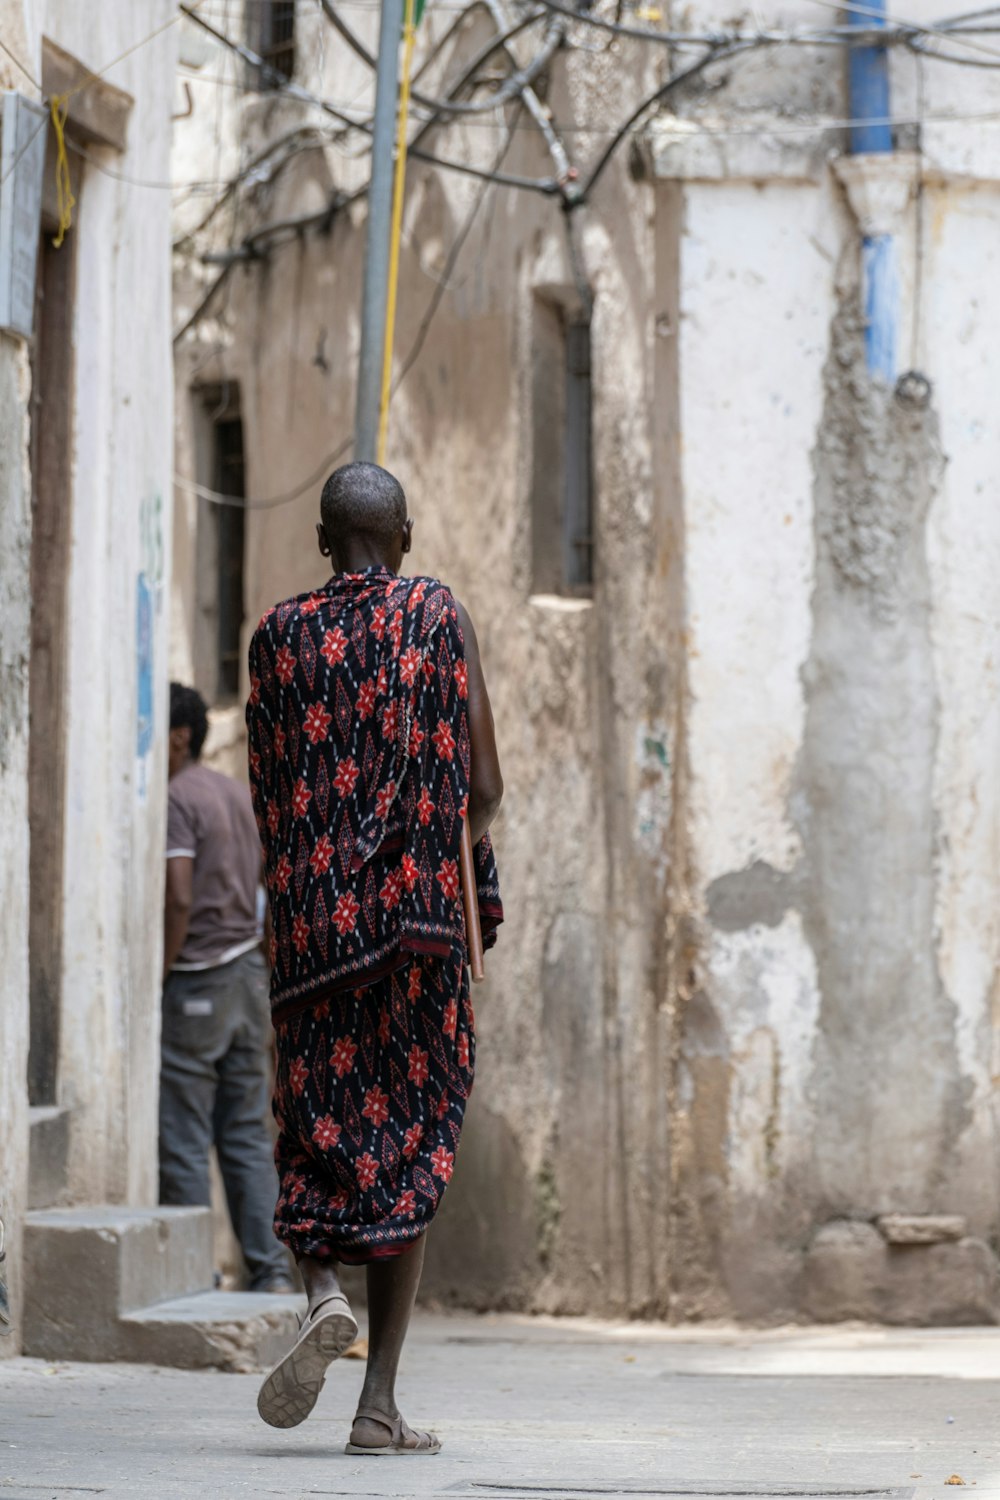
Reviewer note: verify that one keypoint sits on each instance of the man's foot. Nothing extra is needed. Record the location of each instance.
(377, 1435)
(291, 1390)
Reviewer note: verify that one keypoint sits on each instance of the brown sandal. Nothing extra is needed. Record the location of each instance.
(291, 1389)
(426, 1443)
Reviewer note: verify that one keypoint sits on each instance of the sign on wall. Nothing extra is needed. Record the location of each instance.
(22, 165)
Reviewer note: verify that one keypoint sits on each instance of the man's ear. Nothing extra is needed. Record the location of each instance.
(407, 535)
(324, 545)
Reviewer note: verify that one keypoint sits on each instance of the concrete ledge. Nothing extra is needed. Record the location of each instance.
(707, 150)
(88, 1266)
(241, 1332)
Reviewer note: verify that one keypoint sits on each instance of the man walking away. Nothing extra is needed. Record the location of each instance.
(215, 1077)
(370, 741)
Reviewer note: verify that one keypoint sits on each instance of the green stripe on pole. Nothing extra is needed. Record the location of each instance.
(418, 12)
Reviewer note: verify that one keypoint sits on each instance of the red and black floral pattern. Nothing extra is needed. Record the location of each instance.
(370, 1095)
(359, 769)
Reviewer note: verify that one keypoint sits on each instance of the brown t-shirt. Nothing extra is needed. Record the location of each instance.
(210, 819)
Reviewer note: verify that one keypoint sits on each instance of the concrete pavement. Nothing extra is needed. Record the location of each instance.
(537, 1409)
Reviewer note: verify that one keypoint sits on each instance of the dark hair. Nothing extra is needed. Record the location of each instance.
(362, 500)
(187, 710)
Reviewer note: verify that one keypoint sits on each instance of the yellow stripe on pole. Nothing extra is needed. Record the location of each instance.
(409, 37)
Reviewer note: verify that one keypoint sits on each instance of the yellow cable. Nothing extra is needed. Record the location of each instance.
(409, 35)
(59, 106)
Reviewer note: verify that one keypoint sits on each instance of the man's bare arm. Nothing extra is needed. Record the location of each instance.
(486, 791)
(177, 908)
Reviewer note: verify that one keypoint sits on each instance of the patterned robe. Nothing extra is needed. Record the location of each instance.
(359, 767)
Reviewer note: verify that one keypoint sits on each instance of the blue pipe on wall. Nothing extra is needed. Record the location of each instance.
(868, 75)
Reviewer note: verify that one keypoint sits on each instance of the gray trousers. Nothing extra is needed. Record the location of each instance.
(215, 1087)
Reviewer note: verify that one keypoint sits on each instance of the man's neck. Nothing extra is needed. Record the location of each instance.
(360, 555)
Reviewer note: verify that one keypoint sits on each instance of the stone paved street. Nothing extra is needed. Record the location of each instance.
(539, 1409)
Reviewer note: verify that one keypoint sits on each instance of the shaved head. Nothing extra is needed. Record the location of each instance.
(362, 500)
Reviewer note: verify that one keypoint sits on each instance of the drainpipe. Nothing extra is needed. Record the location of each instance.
(868, 74)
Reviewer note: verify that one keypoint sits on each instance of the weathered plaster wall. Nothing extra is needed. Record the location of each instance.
(15, 633)
(963, 547)
(839, 1047)
(118, 514)
(121, 521)
(749, 565)
(562, 1197)
(745, 1001)
(15, 636)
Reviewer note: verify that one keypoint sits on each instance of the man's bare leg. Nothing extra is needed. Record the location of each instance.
(392, 1291)
(320, 1279)
(291, 1388)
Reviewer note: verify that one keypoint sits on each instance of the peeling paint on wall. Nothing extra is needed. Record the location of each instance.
(885, 1078)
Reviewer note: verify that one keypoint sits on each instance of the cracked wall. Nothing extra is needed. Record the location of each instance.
(886, 1078)
(836, 1051)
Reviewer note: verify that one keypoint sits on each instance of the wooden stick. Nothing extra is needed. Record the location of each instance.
(470, 898)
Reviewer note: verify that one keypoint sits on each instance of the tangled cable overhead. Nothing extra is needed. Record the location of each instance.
(512, 86)
(573, 186)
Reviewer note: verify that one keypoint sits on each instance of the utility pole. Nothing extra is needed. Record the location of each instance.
(376, 280)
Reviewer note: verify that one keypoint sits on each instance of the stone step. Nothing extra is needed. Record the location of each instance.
(242, 1332)
(87, 1267)
(48, 1155)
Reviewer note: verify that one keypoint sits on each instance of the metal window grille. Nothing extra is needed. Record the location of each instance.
(229, 469)
(272, 37)
(578, 540)
(562, 503)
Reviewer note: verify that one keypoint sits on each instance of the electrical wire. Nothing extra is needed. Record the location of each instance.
(444, 284)
(719, 47)
(293, 90)
(237, 502)
(310, 138)
(675, 81)
(201, 307)
(19, 64)
(273, 502)
(33, 137)
(508, 90)
(855, 7)
(617, 28)
(92, 76)
(283, 85)
(143, 41)
(143, 182)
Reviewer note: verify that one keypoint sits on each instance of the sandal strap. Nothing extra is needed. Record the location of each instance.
(313, 1312)
(424, 1440)
(369, 1414)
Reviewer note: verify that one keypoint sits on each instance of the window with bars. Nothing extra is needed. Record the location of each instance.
(271, 34)
(229, 520)
(561, 467)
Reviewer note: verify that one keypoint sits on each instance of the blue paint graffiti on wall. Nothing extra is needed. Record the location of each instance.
(144, 665)
(148, 588)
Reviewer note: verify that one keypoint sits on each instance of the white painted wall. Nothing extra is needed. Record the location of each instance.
(15, 606)
(120, 523)
(964, 542)
(121, 528)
